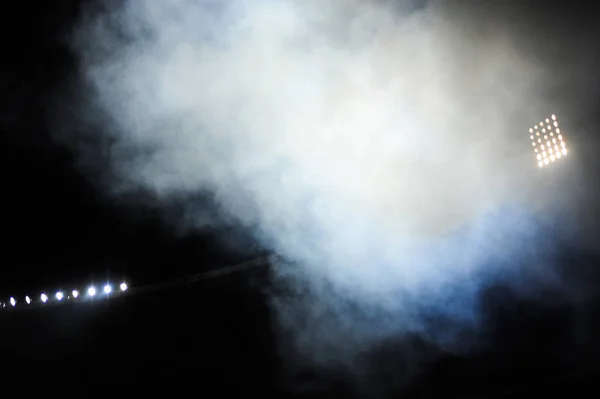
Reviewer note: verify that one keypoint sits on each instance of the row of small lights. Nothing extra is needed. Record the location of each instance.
(91, 292)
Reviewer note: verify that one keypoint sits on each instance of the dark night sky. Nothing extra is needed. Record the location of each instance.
(59, 228)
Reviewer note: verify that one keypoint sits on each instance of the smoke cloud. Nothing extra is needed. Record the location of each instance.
(380, 147)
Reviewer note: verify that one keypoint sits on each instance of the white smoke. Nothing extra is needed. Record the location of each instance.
(382, 150)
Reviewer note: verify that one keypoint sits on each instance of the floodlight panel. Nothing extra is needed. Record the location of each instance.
(552, 138)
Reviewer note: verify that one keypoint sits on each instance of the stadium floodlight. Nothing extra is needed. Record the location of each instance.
(107, 289)
(75, 293)
(59, 295)
(28, 300)
(91, 291)
(13, 302)
(123, 287)
(44, 298)
(553, 147)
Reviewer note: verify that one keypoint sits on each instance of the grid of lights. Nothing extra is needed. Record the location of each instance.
(60, 296)
(547, 142)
